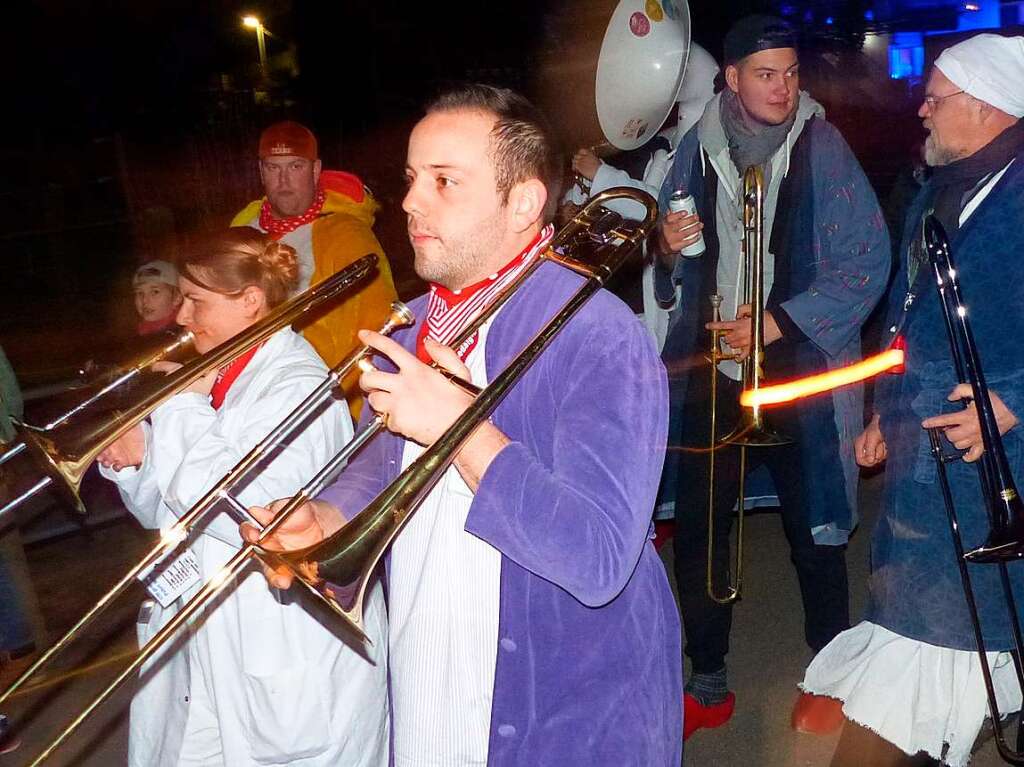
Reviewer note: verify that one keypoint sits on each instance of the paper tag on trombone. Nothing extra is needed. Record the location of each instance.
(166, 582)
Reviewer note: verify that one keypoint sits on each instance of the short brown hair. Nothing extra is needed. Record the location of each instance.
(229, 261)
(522, 146)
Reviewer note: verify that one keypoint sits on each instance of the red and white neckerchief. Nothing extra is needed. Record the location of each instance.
(227, 375)
(279, 227)
(449, 311)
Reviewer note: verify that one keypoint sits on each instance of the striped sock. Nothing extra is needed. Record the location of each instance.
(709, 689)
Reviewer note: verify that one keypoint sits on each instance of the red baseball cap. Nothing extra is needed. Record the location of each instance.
(288, 138)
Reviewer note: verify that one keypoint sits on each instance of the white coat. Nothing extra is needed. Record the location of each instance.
(286, 684)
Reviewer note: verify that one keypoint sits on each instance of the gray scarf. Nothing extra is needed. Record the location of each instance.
(750, 142)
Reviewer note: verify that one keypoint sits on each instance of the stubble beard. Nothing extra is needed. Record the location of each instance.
(457, 262)
(287, 206)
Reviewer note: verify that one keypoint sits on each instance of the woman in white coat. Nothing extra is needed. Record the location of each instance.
(259, 678)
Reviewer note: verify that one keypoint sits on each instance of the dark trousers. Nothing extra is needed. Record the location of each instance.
(821, 570)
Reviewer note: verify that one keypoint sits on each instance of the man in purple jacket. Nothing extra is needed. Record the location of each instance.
(531, 620)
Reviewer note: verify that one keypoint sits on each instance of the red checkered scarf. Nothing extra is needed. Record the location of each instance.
(449, 311)
(279, 227)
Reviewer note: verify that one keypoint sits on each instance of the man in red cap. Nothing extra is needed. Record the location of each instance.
(327, 216)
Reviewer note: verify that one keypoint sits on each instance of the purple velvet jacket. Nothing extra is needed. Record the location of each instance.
(588, 657)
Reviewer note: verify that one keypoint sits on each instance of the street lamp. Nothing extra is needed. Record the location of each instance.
(252, 22)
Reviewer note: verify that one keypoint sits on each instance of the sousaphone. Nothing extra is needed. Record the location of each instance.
(613, 70)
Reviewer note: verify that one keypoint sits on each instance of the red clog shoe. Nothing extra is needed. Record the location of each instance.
(696, 715)
(817, 714)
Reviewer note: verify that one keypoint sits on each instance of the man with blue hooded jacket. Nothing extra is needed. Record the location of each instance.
(826, 261)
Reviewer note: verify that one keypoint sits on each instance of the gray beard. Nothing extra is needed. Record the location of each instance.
(937, 156)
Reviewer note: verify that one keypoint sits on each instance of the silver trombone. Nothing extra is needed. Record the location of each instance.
(999, 493)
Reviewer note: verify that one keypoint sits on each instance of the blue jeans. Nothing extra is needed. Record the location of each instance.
(15, 626)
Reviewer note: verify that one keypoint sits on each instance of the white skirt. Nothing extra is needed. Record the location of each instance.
(919, 697)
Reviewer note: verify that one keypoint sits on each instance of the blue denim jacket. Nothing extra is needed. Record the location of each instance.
(838, 258)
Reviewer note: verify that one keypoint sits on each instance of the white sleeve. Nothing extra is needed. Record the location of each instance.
(657, 169)
(608, 176)
(279, 475)
(140, 490)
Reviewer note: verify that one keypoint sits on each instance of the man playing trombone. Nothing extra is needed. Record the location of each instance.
(909, 677)
(531, 621)
(825, 258)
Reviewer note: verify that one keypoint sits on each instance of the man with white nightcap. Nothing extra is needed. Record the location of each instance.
(908, 678)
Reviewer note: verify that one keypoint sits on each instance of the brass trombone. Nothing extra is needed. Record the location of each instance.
(119, 381)
(65, 449)
(751, 430)
(350, 557)
(341, 566)
(172, 538)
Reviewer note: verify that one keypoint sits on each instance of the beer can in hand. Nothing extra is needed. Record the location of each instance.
(681, 201)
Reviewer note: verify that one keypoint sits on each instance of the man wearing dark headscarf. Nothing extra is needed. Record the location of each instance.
(908, 678)
(826, 262)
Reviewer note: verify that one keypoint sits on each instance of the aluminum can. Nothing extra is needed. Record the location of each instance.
(681, 201)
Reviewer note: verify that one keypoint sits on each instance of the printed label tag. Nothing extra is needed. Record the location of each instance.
(170, 581)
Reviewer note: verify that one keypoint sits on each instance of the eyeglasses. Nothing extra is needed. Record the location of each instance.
(934, 101)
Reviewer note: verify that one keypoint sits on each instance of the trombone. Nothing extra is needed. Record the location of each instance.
(172, 538)
(64, 449)
(341, 566)
(1005, 542)
(350, 557)
(751, 430)
(121, 380)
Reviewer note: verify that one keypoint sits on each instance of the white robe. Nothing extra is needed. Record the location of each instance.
(287, 685)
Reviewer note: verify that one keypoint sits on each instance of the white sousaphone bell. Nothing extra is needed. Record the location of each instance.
(640, 69)
(621, 93)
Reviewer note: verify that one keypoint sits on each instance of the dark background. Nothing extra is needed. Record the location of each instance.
(129, 125)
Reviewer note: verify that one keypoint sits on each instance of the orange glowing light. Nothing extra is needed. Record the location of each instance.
(833, 379)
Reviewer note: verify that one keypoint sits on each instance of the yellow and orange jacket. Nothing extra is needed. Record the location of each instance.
(342, 234)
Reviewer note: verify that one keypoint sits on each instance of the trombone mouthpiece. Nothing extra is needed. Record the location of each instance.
(400, 317)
